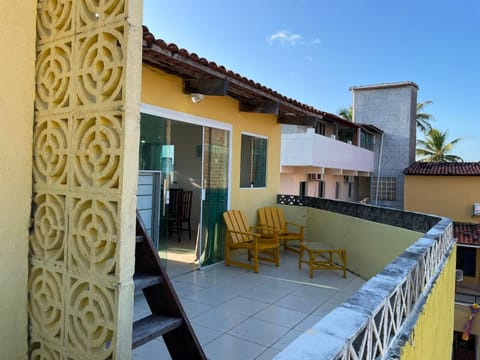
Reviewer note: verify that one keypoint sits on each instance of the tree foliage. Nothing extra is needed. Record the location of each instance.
(436, 148)
(423, 118)
(346, 113)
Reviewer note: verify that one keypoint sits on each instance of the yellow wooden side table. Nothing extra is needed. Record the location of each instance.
(316, 250)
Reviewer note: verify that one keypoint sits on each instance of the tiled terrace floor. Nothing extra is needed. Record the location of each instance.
(238, 314)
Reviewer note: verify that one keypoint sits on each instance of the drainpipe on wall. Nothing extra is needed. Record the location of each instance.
(379, 168)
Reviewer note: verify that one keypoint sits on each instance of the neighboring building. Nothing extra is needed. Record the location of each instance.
(446, 189)
(362, 160)
(327, 157)
(452, 190)
(392, 107)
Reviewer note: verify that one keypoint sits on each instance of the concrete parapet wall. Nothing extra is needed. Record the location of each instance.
(395, 314)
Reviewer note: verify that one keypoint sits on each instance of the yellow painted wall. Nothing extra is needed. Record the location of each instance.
(17, 39)
(449, 196)
(432, 334)
(165, 91)
(370, 245)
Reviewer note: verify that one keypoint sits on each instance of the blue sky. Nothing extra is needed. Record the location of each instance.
(315, 50)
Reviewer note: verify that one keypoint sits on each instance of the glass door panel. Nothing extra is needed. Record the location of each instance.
(214, 194)
(156, 154)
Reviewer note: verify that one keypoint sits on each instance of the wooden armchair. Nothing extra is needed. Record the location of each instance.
(239, 235)
(273, 217)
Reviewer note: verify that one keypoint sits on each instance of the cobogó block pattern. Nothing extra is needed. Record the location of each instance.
(48, 238)
(97, 150)
(95, 237)
(79, 142)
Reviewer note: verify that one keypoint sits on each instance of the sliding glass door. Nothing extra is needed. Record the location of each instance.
(195, 158)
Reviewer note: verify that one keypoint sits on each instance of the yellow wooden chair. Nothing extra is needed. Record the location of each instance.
(239, 235)
(273, 217)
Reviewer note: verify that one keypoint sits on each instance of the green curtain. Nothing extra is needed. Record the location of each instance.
(215, 182)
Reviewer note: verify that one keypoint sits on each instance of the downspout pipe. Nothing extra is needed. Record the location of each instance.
(379, 169)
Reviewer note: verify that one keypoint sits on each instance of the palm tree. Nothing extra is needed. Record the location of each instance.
(436, 148)
(423, 118)
(347, 114)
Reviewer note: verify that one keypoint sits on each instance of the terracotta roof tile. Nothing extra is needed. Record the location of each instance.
(467, 234)
(444, 168)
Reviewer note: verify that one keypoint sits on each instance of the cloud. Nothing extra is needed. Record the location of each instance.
(284, 37)
(316, 41)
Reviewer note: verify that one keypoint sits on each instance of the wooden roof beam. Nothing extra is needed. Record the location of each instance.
(211, 87)
(293, 119)
(263, 107)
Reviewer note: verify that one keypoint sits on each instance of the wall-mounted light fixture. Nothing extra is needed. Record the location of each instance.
(196, 97)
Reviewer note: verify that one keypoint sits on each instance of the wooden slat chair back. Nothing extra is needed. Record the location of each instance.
(237, 222)
(186, 212)
(239, 235)
(274, 218)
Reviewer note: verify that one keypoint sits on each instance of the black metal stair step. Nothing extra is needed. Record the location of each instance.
(143, 280)
(151, 327)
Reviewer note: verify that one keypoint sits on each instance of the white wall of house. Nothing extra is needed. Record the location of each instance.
(310, 149)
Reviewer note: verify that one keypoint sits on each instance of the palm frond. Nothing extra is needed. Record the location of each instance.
(436, 148)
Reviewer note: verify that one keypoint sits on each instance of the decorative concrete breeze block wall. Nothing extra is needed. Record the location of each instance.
(85, 159)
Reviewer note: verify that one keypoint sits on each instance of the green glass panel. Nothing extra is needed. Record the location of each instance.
(215, 182)
(153, 141)
(153, 137)
(259, 162)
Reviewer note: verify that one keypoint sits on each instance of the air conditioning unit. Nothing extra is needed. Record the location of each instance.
(315, 177)
(476, 209)
(333, 137)
(348, 179)
(459, 275)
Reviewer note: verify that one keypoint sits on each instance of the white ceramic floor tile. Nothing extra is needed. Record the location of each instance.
(298, 303)
(203, 278)
(268, 354)
(330, 278)
(155, 349)
(341, 296)
(204, 334)
(219, 320)
(185, 289)
(307, 323)
(214, 296)
(286, 339)
(243, 306)
(271, 292)
(259, 331)
(232, 348)
(194, 308)
(317, 293)
(281, 316)
(324, 309)
(239, 315)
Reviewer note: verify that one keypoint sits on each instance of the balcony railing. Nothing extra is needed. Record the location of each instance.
(378, 319)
